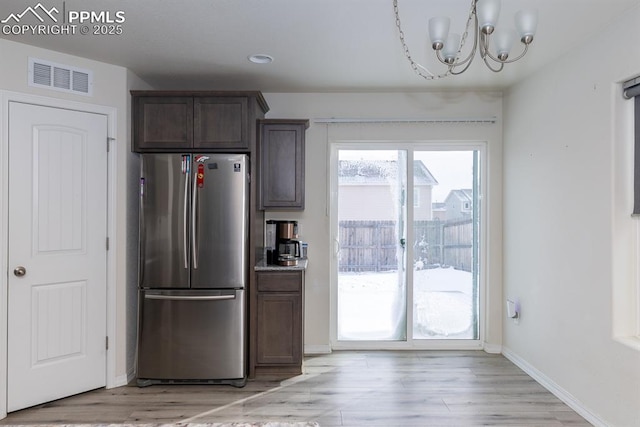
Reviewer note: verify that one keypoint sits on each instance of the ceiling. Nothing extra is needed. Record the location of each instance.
(318, 45)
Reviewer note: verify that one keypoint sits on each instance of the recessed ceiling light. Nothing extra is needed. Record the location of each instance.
(261, 58)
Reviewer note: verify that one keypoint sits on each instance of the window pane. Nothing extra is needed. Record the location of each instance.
(445, 295)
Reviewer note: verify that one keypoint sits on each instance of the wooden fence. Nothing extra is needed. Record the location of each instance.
(374, 245)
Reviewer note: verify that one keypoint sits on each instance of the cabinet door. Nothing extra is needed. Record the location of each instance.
(221, 123)
(279, 340)
(282, 166)
(162, 123)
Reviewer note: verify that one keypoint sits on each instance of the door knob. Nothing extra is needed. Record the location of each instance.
(20, 271)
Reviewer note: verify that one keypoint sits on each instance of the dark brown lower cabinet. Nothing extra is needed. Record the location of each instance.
(278, 337)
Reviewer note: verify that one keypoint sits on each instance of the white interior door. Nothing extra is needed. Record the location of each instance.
(57, 253)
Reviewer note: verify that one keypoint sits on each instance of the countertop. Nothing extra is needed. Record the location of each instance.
(263, 266)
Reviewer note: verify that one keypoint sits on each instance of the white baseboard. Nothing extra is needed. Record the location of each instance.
(492, 348)
(554, 388)
(120, 381)
(123, 380)
(317, 349)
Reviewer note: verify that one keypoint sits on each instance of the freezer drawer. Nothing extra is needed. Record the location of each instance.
(192, 336)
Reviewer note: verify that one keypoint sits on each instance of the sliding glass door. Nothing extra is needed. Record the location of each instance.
(407, 244)
(372, 259)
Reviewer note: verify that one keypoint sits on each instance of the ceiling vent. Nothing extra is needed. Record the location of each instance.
(60, 77)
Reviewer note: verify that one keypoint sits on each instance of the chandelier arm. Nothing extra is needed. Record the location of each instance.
(488, 64)
(441, 59)
(455, 73)
(473, 18)
(524, 52)
(472, 55)
(484, 47)
(508, 61)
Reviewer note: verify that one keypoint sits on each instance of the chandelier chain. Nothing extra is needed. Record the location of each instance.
(417, 68)
(472, 14)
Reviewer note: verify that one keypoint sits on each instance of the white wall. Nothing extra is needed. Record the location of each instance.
(111, 84)
(568, 234)
(314, 220)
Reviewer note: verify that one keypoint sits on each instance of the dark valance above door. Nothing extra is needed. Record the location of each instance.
(631, 89)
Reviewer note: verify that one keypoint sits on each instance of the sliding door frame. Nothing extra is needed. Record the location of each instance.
(410, 147)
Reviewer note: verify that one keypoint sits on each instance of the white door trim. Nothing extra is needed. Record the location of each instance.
(5, 98)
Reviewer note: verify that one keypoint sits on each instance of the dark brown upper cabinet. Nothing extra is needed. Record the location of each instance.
(210, 121)
(221, 123)
(162, 123)
(281, 156)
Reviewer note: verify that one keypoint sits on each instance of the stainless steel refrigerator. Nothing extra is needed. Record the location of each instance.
(193, 268)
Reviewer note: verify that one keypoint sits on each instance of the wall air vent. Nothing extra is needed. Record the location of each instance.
(60, 77)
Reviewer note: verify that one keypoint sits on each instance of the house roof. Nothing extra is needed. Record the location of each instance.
(377, 171)
(464, 195)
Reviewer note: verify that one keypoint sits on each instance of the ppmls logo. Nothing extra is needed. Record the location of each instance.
(49, 21)
(33, 11)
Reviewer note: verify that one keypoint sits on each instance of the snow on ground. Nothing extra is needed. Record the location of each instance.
(371, 305)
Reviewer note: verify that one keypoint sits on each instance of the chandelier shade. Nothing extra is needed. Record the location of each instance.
(488, 12)
(526, 23)
(438, 30)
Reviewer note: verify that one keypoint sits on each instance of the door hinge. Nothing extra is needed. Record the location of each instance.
(106, 343)
(109, 139)
(107, 243)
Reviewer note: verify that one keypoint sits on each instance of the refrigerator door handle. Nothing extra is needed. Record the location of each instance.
(190, 298)
(194, 231)
(142, 253)
(186, 162)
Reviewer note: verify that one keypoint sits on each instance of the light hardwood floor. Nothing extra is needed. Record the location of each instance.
(382, 388)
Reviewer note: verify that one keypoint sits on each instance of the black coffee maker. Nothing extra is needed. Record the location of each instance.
(287, 247)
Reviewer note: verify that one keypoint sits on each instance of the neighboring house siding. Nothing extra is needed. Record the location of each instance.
(366, 202)
(368, 191)
(377, 203)
(459, 204)
(422, 211)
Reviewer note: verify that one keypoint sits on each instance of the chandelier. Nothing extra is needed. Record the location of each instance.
(481, 25)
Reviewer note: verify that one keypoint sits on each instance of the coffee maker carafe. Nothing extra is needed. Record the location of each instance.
(287, 250)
